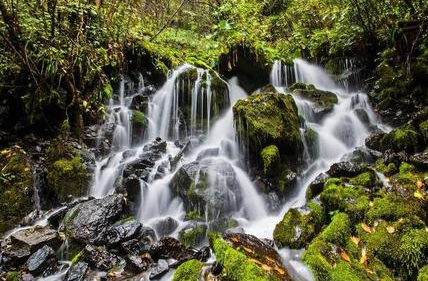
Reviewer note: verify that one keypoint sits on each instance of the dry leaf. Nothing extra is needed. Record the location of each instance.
(369, 271)
(363, 259)
(356, 240)
(418, 195)
(279, 270)
(366, 228)
(390, 229)
(248, 250)
(419, 184)
(344, 256)
(234, 239)
(266, 267)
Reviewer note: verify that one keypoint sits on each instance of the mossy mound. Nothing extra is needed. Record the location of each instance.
(16, 187)
(405, 138)
(298, 227)
(240, 263)
(67, 176)
(189, 271)
(324, 101)
(423, 274)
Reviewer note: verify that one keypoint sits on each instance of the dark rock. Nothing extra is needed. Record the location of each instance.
(88, 222)
(420, 160)
(77, 272)
(374, 141)
(56, 218)
(37, 237)
(216, 269)
(274, 203)
(122, 231)
(137, 264)
(346, 169)
(171, 248)
(159, 269)
(43, 261)
(99, 258)
(192, 184)
(15, 255)
(165, 227)
(316, 186)
(136, 246)
(395, 157)
(323, 101)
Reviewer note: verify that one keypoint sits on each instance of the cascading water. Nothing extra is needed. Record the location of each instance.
(211, 147)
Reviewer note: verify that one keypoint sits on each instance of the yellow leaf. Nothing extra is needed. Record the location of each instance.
(418, 195)
(234, 239)
(356, 240)
(344, 256)
(266, 267)
(85, 104)
(419, 184)
(390, 229)
(279, 270)
(248, 250)
(363, 259)
(371, 204)
(366, 228)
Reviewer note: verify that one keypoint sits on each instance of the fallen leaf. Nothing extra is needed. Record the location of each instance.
(344, 256)
(418, 195)
(356, 240)
(234, 239)
(419, 184)
(248, 250)
(363, 259)
(279, 270)
(366, 228)
(369, 271)
(266, 267)
(390, 229)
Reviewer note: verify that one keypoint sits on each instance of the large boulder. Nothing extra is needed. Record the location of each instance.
(207, 186)
(323, 101)
(88, 222)
(42, 262)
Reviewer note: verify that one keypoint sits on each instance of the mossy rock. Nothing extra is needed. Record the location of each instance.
(267, 119)
(352, 200)
(189, 271)
(367, 180)
(16, 187)
(270, 158)
(324, 101)
(387, 170)
(238, 266)
(404, 138)
(299, 227)
(67, 175)
(139, 123)
(193, 236)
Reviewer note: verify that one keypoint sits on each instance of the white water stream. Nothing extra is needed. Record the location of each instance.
(340, 132)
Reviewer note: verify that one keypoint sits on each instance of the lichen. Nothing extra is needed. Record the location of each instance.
(188, 271)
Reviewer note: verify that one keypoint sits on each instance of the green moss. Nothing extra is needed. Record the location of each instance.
(423, 274)
(15, 187)
(138, 118)
(194, 236)
(404, 138)
(270, 158)
(76, 258)
(193, 215)
(338, 231)
(237, 267)
(348, 271)
(392, 207)
(366, 179)
(68, 177)
(13, 276)
(413, 251)
(268, 119)
(323, 99)
(349, 199)
(188, 271)
(311, 137)
(387, 170)
(297, 229)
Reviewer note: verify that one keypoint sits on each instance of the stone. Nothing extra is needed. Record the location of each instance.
(77, 272)
(99, 258)
(165, 227)
(88, 222)
(316, 186)
(42, 260)
(122, 231)
(37, 237)
(346, 169)
(159, 269)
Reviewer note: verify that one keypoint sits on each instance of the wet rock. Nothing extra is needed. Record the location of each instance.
(43, 261)
(36, 237)
(420, 160)
(323, 101)
(209, 152)
(346, 169)
(165, 227)
(77, 272)
(316, 186)
(170, 248)
(122, 231)
(395, 157)
(159, 269)
(56, 218)
(15, 255)
(136, 246)
(137, 264)
(274, 203)
(99, 258)
(193, 234)
(27, 277)
(374, 141)
(207, 186)
(88, 222)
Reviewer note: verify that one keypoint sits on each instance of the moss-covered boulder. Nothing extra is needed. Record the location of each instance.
(68, 175)
(139, 124)
(323, 101)
(16, 187)
(244, 257)
(267, 126)
(189, 271)
(405, 138)
(299, 226)
(423, 273)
